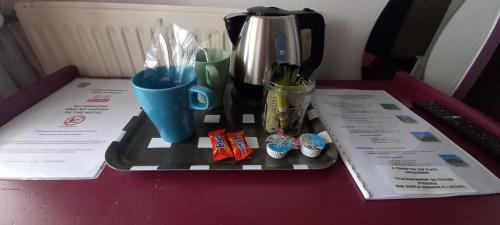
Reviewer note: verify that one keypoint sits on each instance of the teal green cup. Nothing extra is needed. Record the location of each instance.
(212, 71)
(169, 98)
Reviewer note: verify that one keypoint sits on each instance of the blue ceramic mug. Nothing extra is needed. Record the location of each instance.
(168, 99)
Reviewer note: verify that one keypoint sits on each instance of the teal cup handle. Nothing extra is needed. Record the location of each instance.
(213, 78)
(212, 71)
(203, 91)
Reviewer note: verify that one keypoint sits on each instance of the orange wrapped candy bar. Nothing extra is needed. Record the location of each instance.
(220, 148)
(239, 145)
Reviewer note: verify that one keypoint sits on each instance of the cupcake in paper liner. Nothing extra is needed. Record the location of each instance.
(311, 145)
(277, 146)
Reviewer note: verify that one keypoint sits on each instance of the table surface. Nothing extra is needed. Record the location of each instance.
(235, 197)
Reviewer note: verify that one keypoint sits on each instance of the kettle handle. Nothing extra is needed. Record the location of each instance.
(310, 19)
(234, 23)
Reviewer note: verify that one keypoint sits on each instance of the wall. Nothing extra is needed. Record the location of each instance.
(349, 23)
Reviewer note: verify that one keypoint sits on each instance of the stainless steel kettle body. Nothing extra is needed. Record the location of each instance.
(266, 35)
(264, 40)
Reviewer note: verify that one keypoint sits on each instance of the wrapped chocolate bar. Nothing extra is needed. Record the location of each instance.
(220, 148)
(239, 145)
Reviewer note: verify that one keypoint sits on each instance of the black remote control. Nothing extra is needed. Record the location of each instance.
(467, 128)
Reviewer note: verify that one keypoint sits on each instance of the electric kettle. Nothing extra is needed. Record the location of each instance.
(266, 35)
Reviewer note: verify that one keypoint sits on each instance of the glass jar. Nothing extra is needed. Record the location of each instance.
(286, 106)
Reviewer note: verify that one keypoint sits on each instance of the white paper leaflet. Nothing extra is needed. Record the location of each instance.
(65, 135)
(391, 149)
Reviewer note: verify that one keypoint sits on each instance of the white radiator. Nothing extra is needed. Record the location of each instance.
(110, 39)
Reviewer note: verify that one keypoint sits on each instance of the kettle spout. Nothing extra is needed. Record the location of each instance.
(234, 24)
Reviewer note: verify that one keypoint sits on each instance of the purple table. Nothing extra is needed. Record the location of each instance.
(327, 196)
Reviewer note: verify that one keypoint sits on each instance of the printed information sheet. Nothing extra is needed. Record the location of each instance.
(65, 135)
(393, 153)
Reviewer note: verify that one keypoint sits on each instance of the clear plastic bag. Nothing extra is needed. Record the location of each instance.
(173, 48)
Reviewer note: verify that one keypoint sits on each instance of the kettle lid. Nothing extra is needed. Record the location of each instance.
(268, 11)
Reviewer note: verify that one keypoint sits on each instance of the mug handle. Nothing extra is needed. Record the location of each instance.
(193, 97)
(212, 76)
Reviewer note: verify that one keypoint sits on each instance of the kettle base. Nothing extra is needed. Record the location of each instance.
(247, 95)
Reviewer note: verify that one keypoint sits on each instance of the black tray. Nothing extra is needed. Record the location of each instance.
(133, 151)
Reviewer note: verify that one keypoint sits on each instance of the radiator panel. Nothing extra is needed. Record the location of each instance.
(110, 39)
